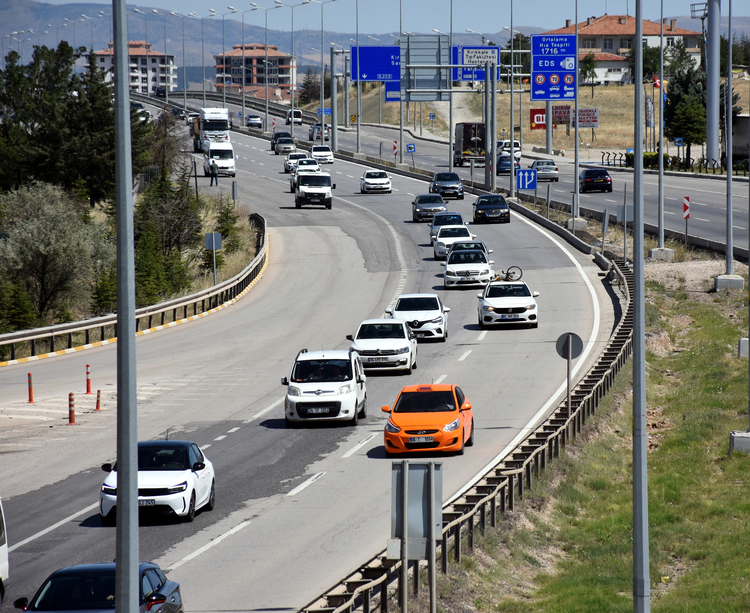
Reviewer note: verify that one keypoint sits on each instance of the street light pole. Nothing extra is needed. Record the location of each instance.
(166, 59)
(322, 74)
(265, 63)
(223, 58)
(148, 75)
(242, 13)
(293, 75)
(203, 59)
(184, 62)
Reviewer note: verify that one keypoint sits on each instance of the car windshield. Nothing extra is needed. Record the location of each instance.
(322, 371)
(596, 173)
(279, 135)
(489, 201)
(425, 402)
(417, 304)
(307, 162)
(222, 154)
(215, 125)
(297, 156)
(376, 174)
(504, 291)
(285, 141)
(545, 163)
(446, 176)
(464, 246)
(81, 591)
(447, 220)
(154, 457)
(315, 180)
(454, 232)
(319, 149)
(467, 257)
(436, 199)
(384, 330)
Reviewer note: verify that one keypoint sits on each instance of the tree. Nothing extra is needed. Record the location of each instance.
(522, 62)
(310, 88)
(677, 59)
(226, 225)
(689, 122)
(164, 144)
(650, 62)
(587, 71)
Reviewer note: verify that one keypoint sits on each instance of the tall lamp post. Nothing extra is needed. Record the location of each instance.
(184, 62)
(167, 80)
(148, 75)
(322, 73)
(223, 58)
(293, 76)
(265, 62)
(203, 59)
(91, 28)
(242, 13)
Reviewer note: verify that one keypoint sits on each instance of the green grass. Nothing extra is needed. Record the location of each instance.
(568, 546)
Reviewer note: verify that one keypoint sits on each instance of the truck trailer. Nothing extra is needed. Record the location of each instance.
(469, 143)
(212, 126)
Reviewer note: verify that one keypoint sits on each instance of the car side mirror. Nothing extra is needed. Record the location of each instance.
(443, 264)
(534, 294)
(492, 261)
(107, 468)
(389, 311)
(362, 378)
(198, 466)
(490, 251)
(385, 409)
(473, 236)
(480, 296)
(21, 603)
(412, 336)
(284, 381)
(465, 406)
(334, 186)
(349, 337)
(446, 309)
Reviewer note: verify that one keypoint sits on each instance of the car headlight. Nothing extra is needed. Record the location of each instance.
(176, 489)
(487, 308)
(391, 427)
(417, 209)
(294, 391)
(403, 350)
(437, 320)
(109, 490)
(441, 244)
(486, 271)
(528, 307)
(452, 426)
(345, 389)
(450, 273)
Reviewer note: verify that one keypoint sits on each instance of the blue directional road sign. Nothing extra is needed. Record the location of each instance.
(476, 56)
(526, 179)
(554, 66)
(327, 111)
(392, 91)
(377, 63)
(411, 148)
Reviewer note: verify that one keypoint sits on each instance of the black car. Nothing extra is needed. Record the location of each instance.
(276, 136)
(447, 184)
(91, 587)
(425, 206)
(594, 179)
(491, 208)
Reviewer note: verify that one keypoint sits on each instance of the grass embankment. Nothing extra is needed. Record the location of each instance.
(568, 545)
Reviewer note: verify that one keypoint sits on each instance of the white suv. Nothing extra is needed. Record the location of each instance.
(325, 385)
(425, 314)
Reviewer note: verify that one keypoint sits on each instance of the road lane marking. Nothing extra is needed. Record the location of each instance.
(359, 445)
(62, 522)
(208, 546)
(440, 379)
(669, 213)
(232, 430)
(464, 356)
(264, 411)
(307, 483)
(220, 438)
(482, 335)
(205, 446)
(701, 219)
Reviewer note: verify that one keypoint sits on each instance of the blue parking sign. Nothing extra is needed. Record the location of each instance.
(411, 148)
(526, 179)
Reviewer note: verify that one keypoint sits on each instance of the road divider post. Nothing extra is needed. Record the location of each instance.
(31, 390)
(98, 400)
(72, 409)
(88, 378)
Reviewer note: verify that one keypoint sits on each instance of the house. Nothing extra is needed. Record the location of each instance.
(149, 69)
(281, 71)
(611, 37)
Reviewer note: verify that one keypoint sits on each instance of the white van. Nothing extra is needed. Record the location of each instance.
(297, 117)
(4, 567)
(223, 153)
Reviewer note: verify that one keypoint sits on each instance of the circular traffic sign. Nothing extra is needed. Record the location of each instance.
(569, 341)
(568, 78)
(539, 79)
(554, 79)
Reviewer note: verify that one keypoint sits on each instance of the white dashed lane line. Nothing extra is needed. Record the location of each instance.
(307, 483)
(440, 379)
(482, 335)
(464, 356)
(220, 438)
(233, 430)
(359, 445)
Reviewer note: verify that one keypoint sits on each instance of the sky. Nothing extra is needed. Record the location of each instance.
(422, 16)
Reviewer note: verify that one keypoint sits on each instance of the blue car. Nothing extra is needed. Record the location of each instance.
(503, 165)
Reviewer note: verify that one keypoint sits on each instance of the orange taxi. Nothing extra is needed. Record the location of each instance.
(429, 417)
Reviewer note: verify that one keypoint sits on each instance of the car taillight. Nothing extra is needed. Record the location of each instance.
(156, 599)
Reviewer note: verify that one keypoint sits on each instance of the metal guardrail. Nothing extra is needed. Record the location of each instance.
(60, 337)
(499, 488)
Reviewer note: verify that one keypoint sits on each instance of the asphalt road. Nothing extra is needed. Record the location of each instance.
(296, 509)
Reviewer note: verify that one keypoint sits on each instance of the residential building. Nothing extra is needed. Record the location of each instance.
(611, 37)
(281, 71)
(149, 68)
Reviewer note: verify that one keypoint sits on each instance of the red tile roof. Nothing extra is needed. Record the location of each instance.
(603, 57)
(135, 48)
(254, 50)
(612, 25)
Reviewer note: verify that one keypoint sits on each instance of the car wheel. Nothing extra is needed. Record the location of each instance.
(534, 325)
(328, 206)
(363, 410)
(610, 190)
(480, 323)
(211, 503)
(461, 197)
(390, 191)
(414, 219)
(109, 520)
(408, 370)
(470, 442)
(354, 420)
(463, 445)
(557, 180)
(191, 509)
(445, 336)
(290, 425)
(361, 190)
(296, 203)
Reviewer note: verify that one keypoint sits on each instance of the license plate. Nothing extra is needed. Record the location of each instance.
(420, 334)
(600, 180)
(508, 317)
(378, 360)
(318, 410)
(147, 503)
(421, 439)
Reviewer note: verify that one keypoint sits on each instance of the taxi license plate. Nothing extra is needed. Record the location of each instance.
(147, 503)
(318, 410)
(377, 360)
(421, 439)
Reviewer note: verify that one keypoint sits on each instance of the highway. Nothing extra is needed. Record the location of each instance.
(296, 509)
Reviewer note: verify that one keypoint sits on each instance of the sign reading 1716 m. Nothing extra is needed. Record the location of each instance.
(553, 66)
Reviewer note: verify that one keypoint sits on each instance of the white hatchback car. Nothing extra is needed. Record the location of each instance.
(375, 181)
(446, 236)
(507, 302)
(323, 386)
(174, 478)
(425, 314)
(467, 268)
(322, 154)
(385, 344)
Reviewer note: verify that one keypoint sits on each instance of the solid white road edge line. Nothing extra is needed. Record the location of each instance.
(588, 347)
(302, 486)
(264, 411)
(208, 546)
(359, 445)
(91, 507)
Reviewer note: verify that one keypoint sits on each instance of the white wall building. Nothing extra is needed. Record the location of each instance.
(149, 69)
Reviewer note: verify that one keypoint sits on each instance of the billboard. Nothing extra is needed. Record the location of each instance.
(587, 118)
(538, 121)
(561, 114)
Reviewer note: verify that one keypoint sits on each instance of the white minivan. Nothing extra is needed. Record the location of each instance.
(297, 117)
(4, 567)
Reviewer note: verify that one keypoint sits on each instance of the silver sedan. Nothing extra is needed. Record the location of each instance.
(546, 170)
